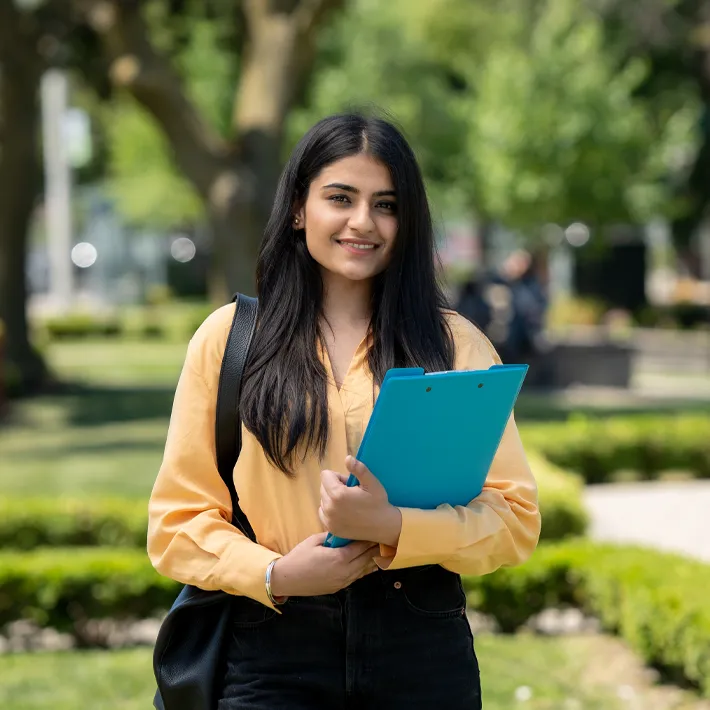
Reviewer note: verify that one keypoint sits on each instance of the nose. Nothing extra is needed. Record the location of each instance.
(361, 219)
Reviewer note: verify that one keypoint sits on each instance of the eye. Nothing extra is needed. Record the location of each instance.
(340, 199)
(389, 206)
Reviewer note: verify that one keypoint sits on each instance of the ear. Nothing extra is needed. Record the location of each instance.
(299, 218)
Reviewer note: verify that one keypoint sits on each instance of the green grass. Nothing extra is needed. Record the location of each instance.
(545, 666)
(118, 362)
(120, 680)
(105, 434)
(46, 454)
(123, 680)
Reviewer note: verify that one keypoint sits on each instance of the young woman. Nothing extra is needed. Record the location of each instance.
(347, 289)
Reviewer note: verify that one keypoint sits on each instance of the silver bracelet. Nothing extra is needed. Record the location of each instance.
(269, 593)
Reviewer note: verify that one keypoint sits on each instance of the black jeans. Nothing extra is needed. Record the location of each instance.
(392, 640)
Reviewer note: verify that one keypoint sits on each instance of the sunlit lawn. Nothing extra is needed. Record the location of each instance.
(123, 680)
(47, 454)
(103, 438)
(147, 363)
(106, 436)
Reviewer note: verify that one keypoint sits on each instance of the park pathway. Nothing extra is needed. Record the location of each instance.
(671, 516)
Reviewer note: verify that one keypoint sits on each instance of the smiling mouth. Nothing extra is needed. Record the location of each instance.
(358, 246)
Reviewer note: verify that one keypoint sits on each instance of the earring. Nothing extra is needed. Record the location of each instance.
(296, 221)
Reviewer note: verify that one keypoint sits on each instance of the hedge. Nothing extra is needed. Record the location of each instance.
(657, 602)
(29, 523)
(647, 445)
(62, 587)
(560, 498)
(81, 325)
(176, 320)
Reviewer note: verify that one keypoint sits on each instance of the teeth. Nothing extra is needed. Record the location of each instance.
(364, 247)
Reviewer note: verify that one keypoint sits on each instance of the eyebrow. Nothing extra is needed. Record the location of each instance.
(355, 191)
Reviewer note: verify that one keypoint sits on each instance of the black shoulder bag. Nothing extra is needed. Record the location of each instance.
(189, 652)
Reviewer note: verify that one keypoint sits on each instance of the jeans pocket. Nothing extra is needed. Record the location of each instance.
(249, 613)
(435, 596)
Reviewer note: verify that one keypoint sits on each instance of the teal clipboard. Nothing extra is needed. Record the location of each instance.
(432, 437)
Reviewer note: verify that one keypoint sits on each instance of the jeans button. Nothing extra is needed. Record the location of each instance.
(398, 585)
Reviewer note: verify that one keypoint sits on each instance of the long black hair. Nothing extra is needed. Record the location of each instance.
(284, 401)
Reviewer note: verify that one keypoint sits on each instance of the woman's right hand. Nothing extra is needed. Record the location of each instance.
(311, 570)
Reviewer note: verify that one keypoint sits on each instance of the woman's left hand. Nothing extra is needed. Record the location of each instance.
(361, 512)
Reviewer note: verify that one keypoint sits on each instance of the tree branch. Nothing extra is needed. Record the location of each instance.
(277, 59)
(281, 44)
(313, 14)
(310, 14)
(137, 66)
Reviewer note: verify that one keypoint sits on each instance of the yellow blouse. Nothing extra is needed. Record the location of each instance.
(191, 539)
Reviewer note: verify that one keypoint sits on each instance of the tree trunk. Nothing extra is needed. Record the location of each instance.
(237, 178)
(20, 181)
(237, 234)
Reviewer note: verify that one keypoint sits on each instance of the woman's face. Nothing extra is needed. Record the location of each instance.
(350, 218)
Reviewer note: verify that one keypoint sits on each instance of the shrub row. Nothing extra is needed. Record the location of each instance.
(174, 320)
(63, 587)
(657, 602)
(599, 449)
(576, 310)
(560, 497)
(29, 523)
(682, 315)
(81, 325)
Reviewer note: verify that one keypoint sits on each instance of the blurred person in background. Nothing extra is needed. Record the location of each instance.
(347, 289)
(517, 308)
(473, 304)
(529, 305)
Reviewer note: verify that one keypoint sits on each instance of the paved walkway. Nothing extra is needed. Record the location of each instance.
(673, 516)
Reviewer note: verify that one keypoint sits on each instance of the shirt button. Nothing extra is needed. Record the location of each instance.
(398, 585)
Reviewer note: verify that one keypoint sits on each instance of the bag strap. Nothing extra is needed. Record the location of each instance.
(228, 434)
